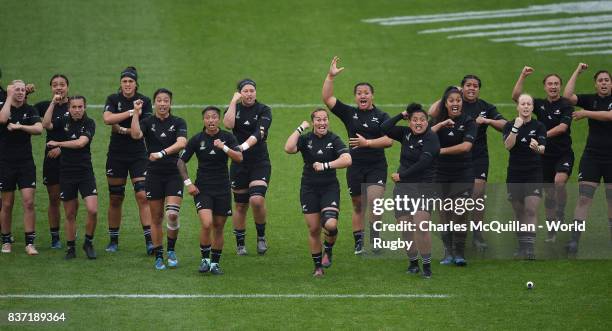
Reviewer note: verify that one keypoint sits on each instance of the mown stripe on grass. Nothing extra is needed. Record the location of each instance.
(225, 296)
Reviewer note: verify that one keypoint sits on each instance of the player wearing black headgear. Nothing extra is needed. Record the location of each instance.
(250, 122)
(126, 155)
(596, 161)
(367, 143)
(323, 152)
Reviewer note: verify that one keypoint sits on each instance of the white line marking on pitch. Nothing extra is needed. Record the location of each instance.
(579, 46)
(607, 51)
(304, 105)
(564, 41)
(522, 24)
(552, 36)
(555, 8)
(594, 26)
(224, 296)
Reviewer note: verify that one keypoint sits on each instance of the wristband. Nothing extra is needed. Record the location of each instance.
(163, 152)
(225, 148)
(122, 130)
(514, 129)
(131, 112)
(326, 166)
(187, 182)
(244, 146)
(300, 129)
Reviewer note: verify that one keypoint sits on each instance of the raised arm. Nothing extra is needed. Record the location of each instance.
(327, 94)
(570, 88)
(292, 141)
(47, 121)
(136, 132)
(229, 119)
(235, 155)
(510, 133)
(5, 112)
(390, 128)
(518, 87)
(434, 109)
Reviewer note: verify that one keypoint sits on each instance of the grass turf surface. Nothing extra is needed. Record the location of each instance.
(199, 50)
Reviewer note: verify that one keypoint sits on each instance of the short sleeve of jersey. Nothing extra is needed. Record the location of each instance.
(145, 123)
(566, 112)
(301, 142)
(585, 101)
(58, 122)
(537, 108)
(507, 129)
(190, 149)
(89, 129)
(181, 128)
(339, 146)
(470, 131)
(492, 112)
(541, 132)
(232, 142)
(343, 111)
(431, 144)
(110, 105)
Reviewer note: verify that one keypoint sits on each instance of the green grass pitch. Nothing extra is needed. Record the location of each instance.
(199, 49)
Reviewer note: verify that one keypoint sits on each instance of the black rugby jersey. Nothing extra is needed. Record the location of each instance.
(464, 130)
(367, 124)
(486, 110)
(75, 161)
(599, 143)
(121, 144)
(319, 149)
(59, 111)
(251, 121)
(212, 161)
(160, 134)
(417, 154)
(16, 146)
(521, 156)
(552, 114)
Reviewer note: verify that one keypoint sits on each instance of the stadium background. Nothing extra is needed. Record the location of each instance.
(199, 50)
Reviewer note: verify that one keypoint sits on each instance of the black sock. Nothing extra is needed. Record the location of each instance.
(328, 247)
(146, 230)
(261, 230)
(426, 259)
(358, 236)
(316, 258)
(576, 234)
(171, 243)
(54, 233)
(114, 235)
(159, 252)
(6, 238)
(29, 238)
(70, 244)
(215, 256)
(88, 240)
(205, 251)
(240, 234)
(459, 243)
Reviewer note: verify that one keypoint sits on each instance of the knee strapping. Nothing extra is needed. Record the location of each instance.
(258, 190)
(587, 191)
(332, 233)
(139, 186)
(173, 222)
(241, 197)
(117, 190)
(327, 215)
